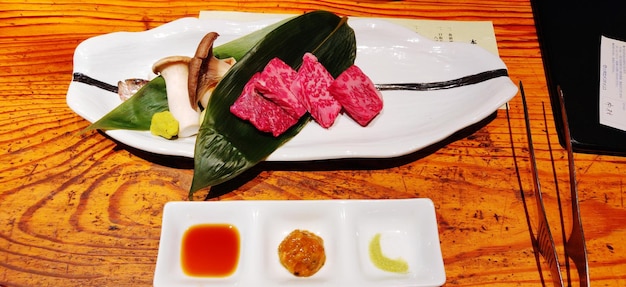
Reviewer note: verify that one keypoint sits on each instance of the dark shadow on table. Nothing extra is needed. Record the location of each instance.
(316, 165)
(345, 164)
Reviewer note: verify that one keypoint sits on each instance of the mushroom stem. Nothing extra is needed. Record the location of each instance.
(175, 72)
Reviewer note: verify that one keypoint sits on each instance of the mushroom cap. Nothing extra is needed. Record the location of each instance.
(199, 67)
(161, 64)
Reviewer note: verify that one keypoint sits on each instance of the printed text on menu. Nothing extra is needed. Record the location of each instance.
(612, 88)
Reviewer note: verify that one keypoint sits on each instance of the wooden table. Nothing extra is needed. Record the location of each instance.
(83, 210)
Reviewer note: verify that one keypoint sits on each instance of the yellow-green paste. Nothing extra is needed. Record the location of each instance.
(164, 124)
(383, 262)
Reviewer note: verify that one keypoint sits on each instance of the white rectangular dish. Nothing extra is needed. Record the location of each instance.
(408, 229)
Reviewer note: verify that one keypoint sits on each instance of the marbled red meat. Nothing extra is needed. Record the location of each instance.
(264, 114)
(311, 87)
(357, 94)
(274, 84)
(274, 100)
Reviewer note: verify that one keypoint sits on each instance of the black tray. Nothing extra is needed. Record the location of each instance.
(569, 35)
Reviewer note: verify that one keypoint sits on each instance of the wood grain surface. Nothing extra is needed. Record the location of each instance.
(84, 210)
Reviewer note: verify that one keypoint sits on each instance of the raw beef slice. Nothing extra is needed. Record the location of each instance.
(356, 92)
(261, 112)
(274, 84)
(311, 87)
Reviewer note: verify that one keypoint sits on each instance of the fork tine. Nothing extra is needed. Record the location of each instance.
(548, 251)
(544, 236)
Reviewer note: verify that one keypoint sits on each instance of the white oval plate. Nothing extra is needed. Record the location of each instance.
(408, 229)
(386, 52)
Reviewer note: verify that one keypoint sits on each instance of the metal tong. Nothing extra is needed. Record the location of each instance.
(542, 241)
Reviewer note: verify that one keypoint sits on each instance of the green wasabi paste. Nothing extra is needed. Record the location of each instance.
(164, 124)
(383, 262)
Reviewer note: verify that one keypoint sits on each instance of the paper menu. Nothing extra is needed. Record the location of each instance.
(475, 32)
(480, 33)
(612, 87)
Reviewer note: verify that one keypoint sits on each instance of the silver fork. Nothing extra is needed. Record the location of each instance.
(542, 242)
(575, 247)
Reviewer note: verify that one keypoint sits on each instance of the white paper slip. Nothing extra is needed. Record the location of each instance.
(612, 88)
(480, 33)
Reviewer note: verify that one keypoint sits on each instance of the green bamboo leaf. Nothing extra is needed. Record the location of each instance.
(136, 112)
(237, 48)
(226, 146)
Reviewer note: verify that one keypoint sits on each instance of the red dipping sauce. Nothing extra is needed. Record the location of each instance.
(210, 250)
